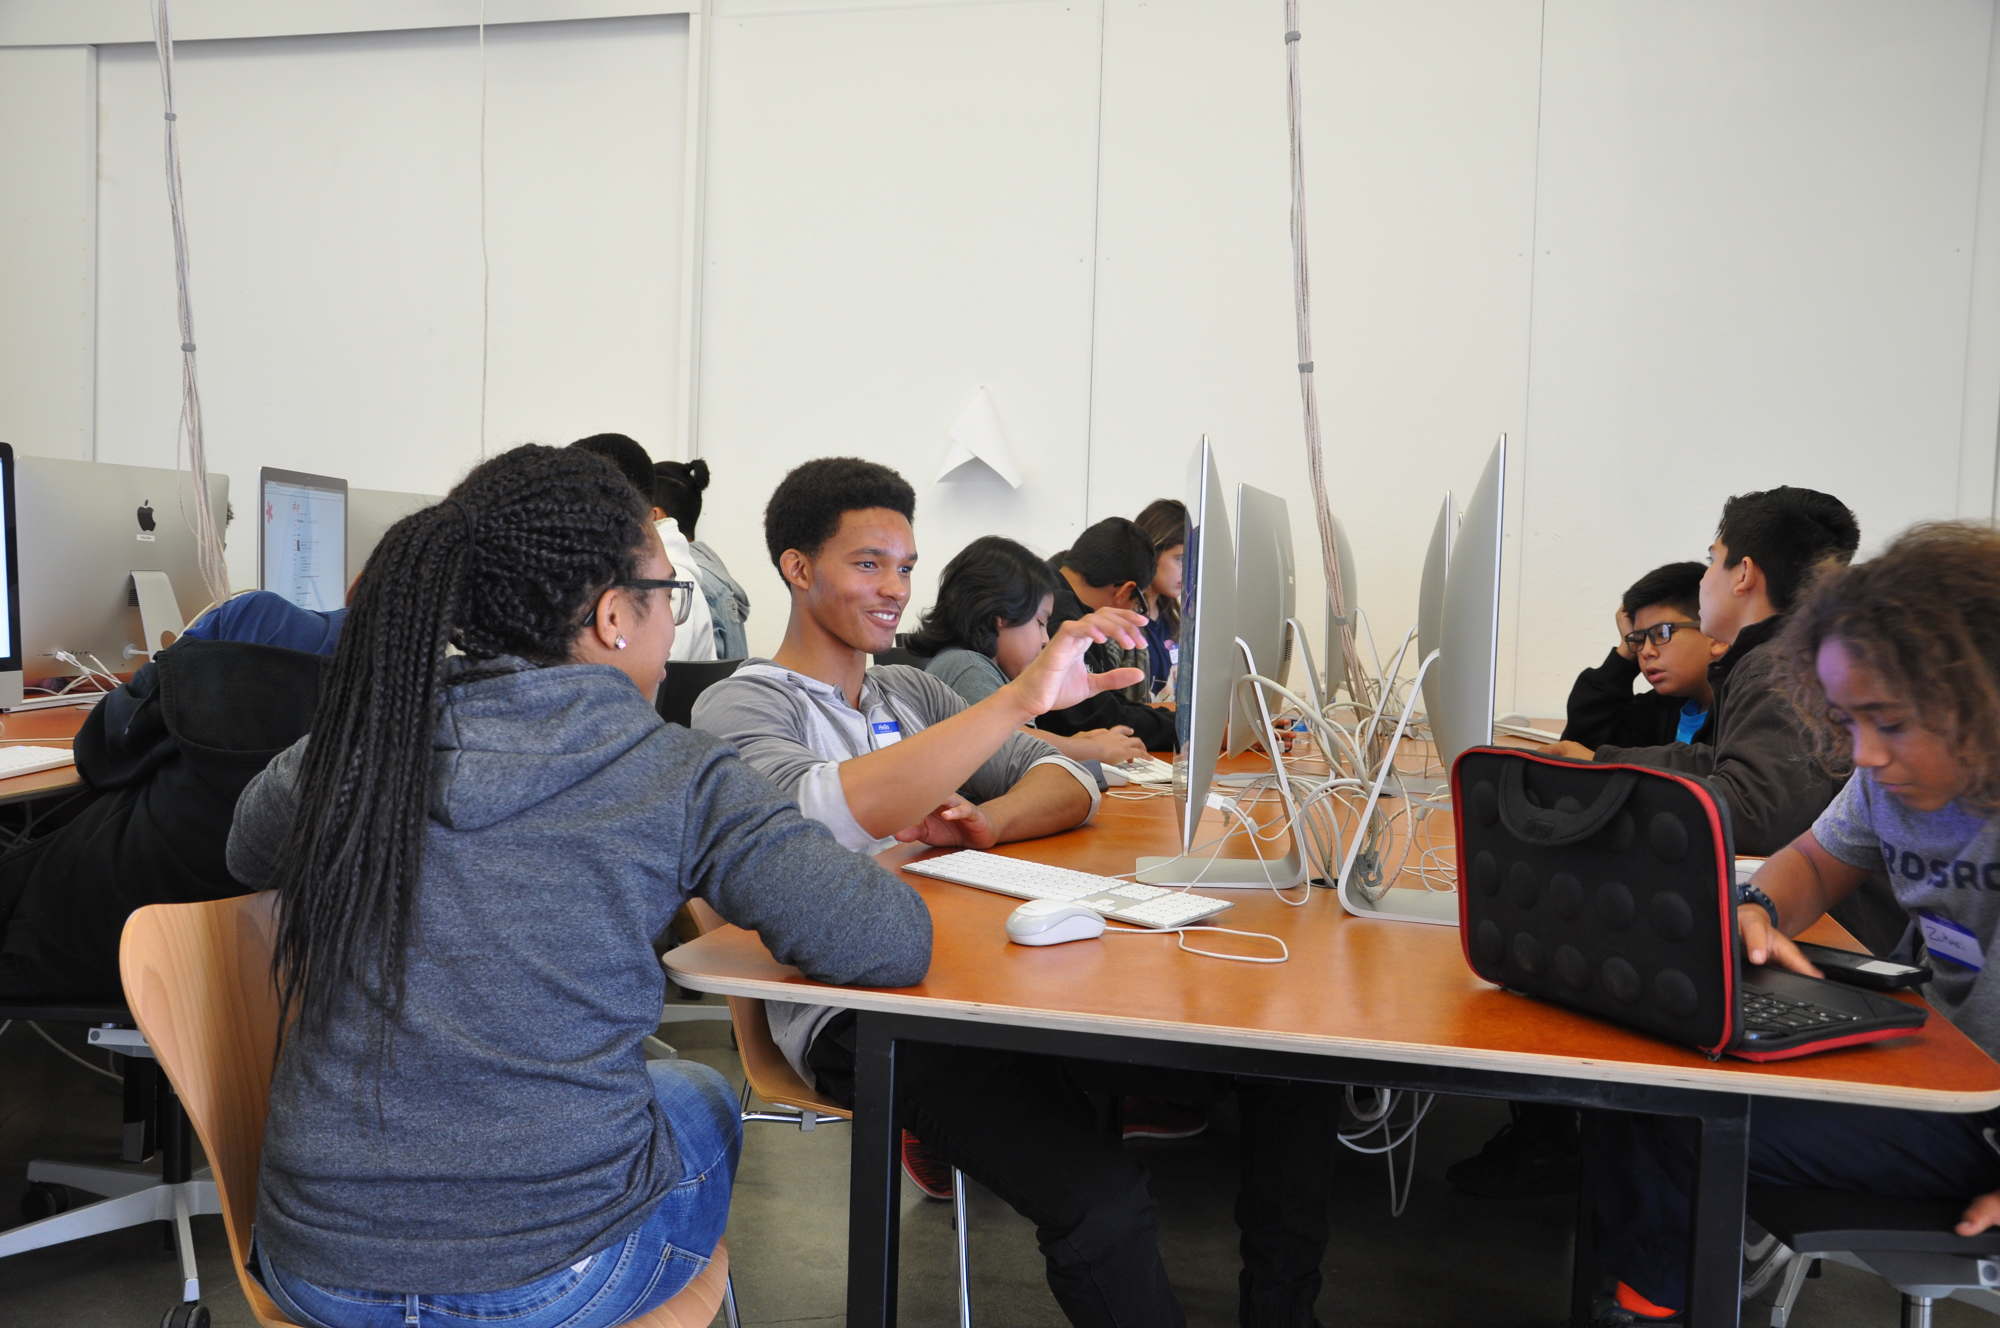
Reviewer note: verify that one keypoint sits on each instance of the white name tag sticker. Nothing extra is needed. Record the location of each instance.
(884, 733)
(1950, 942)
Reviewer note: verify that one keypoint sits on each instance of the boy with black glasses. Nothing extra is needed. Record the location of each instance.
(1659, 636)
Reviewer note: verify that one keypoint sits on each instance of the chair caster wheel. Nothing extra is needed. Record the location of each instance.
(185, 1315)
(44, 1200)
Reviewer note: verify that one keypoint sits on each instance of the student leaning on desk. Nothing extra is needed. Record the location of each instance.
(1893, 666)
(474, 853)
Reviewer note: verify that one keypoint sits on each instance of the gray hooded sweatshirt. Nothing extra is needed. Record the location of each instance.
(511, 1128)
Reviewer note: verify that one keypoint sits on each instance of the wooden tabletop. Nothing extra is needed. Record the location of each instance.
(55, 726)
(1357, 987)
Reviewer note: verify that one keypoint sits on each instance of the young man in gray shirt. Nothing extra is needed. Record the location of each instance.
(887, 755)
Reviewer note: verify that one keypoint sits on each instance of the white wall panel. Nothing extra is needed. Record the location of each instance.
(48, 248)
(899, 212)
(333, 208)
(1419, 132)
(1756, 242)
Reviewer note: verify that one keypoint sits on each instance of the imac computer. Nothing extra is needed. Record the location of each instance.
(109, 564)
(1430, 594)
(1459, 691)
(370, 513)
(302, 537)
(10, 575)
(1266, 586)
(1212, 665)
(1457, 685)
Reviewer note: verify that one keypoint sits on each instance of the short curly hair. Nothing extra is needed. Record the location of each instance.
(1924, 618)
(807, 505)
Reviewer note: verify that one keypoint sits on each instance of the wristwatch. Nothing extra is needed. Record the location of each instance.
(1749, 893)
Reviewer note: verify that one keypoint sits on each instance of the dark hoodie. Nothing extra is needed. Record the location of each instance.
(511, 1128)
(1756, 757)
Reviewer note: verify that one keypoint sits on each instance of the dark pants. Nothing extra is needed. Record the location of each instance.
(1024, 1127)
(1641, 1172)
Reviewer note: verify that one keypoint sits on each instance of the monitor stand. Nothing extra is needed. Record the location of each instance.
(1221, 873)
(159, 614)
(1438, 907)
(10, 689)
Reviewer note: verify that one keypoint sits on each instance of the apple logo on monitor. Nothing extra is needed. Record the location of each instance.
(146, 515)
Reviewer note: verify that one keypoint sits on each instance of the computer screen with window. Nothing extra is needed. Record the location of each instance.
(302, 537)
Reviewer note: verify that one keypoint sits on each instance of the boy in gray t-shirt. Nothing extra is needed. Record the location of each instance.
(1944, 867)
(1895, 665)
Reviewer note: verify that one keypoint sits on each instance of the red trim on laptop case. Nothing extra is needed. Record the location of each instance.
(1810, 1048)
(1725, 884)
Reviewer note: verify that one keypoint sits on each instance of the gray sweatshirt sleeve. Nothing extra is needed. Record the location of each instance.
(1021, 752)
(264, 812)
(835, 915)
(761, 722)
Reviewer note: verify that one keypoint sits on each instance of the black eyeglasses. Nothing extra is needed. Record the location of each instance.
(1659, 633)
(682, 601)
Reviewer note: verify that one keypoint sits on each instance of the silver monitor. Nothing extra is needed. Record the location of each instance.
(1460, 699)
(10, 582)
(370, 513)
(1344, 670)
(1210, 668)
(85, 528)
(302, 537)
(1266, 585)
(1430, 595)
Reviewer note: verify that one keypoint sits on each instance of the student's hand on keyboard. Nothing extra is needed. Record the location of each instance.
(1765, 944)
(955, 823)
(1115, 744)
(1980, 1214)
(1057, 678)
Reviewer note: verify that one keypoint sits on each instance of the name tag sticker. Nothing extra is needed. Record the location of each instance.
(885, 732)
(1950, 942)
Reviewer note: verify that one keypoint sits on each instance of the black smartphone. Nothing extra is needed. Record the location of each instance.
(1863, 970)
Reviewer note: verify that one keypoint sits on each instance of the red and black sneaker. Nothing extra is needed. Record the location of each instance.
(926, 1170)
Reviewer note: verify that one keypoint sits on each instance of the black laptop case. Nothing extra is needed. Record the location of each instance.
(1611, 889)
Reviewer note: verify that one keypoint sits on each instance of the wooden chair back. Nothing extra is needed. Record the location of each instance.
(770, 1075)
(198, 980)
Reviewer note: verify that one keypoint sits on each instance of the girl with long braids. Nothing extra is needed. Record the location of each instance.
(474, 849)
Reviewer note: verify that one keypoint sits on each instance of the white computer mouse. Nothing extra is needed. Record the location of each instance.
(1053, 921)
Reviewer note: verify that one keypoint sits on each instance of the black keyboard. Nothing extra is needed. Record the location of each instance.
(1766, 1016)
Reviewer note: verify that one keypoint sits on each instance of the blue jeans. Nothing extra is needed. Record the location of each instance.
(609, 1286)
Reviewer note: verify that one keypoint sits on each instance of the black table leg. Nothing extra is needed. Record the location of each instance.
(1715, 1272)
(874, 1209)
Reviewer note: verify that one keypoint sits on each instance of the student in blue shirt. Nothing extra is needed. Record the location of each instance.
(1659, 636)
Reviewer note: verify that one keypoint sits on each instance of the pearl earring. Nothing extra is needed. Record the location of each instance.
(620, 643)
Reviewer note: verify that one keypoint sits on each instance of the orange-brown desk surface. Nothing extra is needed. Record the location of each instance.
(1362, 999)
(54, 726)
(1359, 987)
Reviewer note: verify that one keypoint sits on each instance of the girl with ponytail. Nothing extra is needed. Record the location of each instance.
(474, 849)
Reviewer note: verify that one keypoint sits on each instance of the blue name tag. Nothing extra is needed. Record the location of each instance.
(888, 726)
(1950, 942)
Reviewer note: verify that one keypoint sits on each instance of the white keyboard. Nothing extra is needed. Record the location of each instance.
(1121, 901)
(1145, 770)
(24, 760)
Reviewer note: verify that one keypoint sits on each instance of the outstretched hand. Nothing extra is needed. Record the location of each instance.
(1058, 678)
(1980, 1214)
(953, 823)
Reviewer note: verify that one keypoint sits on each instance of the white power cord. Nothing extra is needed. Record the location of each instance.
(1379, 1119)
(1284, 951)
(188, 429)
